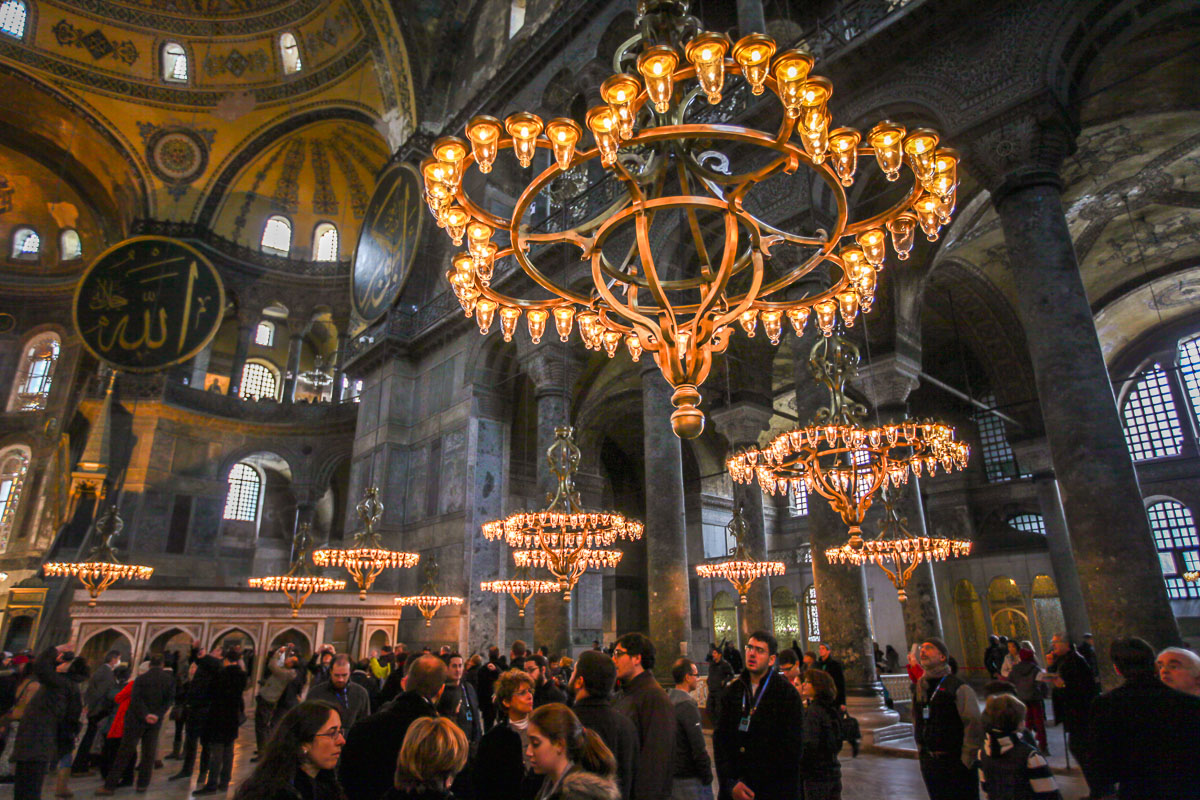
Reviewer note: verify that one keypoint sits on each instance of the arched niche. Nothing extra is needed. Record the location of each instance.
(724, 618)
(100, 642)
(1006, 604)
(377, 641)
(972, 629)
(786, 612)
(295, 637)
(1047, 610)
(173, 640)
(233, 637)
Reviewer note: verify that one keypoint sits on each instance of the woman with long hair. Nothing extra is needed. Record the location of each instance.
(298, 762)
(822, 736)
(434, 751)
(559, 746)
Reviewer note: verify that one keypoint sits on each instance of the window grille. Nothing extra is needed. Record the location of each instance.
(1031, 523)
(1152, 427)
(174, 63)
(258, 382)
(245, 485)
(13, 464)
(13, 14)
(999, 461)
(325, 246)
(1174, 530)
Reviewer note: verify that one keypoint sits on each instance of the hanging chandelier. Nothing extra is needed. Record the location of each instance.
(564, 539)
(896, 551)
(840, 459)
(682, 310)
(521, 587)
(317, 376)
(368, 557)
(741, 569)
(429, 601)
(299, 582)
(100, 569)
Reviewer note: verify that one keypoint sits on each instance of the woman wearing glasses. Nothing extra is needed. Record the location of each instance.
(502, 761)
(298, 761)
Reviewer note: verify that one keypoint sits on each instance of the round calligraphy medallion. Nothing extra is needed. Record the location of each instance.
(177, 155)
(387, 243)
(148, 303)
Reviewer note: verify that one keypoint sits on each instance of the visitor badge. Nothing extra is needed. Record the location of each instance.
(925, 713)
(744, 725)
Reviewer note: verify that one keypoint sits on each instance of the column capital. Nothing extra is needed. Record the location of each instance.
(742, 423)
(1021, 145)
(1033, 455)
(888, 379)
(551, 366)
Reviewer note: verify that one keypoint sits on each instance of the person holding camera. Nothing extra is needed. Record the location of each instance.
(281, 672)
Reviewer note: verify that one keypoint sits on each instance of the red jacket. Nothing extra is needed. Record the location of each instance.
(117, 729)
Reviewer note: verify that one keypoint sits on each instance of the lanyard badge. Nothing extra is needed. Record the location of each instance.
(748, 714)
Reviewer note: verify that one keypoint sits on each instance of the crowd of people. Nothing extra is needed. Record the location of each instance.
(526, 726)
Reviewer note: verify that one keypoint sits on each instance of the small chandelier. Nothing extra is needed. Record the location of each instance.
(317, 376)
(299, 582)
(840, 459)
(741, 569)
(368, 557)
(520, 587)
(100, 569)
(651, 145)
(429, 601)
(564, 538)
(896, 547)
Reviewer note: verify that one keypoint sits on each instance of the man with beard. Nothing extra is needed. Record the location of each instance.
(352, 700)
(948, 728)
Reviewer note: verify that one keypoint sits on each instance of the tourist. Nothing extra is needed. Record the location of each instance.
(69, 724)
(503, 755)
(1087, 649)
(559, 745)
(226, 710)
(757, 738)
(891, 660)
(361, 675)
(486, 684)
(298, 761)
(434, 752)
(719, 674)
(646, 704)
(788, 663)
(1025, 677)
(113, 725)
(692, 768)
(1179, 669)
(460, 703)
(831, 665)
(320, 665)
(281, 671)
(592, 684)
(993, 656)
(1012, 657)
(373, 744)
(947, 726)
(1143, 733)
(381, 662)
(820, 771)
(204, 669)
(36, 744)
(27, 687)
(94, 701)
(352, 700)
(1075, 687)
(1009, 767)
(545, 692)
(150, 700)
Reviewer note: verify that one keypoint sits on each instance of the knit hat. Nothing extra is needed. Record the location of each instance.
(940, 645)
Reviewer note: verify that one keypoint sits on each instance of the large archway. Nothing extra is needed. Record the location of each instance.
(100, 643)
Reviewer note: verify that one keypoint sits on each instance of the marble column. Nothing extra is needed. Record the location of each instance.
(1110, 535)
(199, 368)
(553, 368)
(335, 391)
(488, 437)
(886, 382)
(666, 528)
(292, 376)
(245, 335)
(742, 424)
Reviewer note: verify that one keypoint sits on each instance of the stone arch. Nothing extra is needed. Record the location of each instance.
(233, 635)
(294, 636)
(1047, 610)
(97, 644)
(378, 639)
(1006, 605)
(972, 630)
(173, 639)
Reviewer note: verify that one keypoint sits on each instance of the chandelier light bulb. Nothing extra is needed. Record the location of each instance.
(602, 123)
(791, 71)
(478, 234)
(509, 317)
(773, 325)
(749, 321)
(799, 318)
(455, 220)
(753, 54)
(920, 146)
(927, 207)
(945, 178)
(484, 311)
(612, 340)
(826, 311)
(873, 242)
(848, 305)
(707, 54)
(843, 149)
(945, 208)
(634, 344)
(903, 229)
(536, 318)
(564, 316)
(563, 134)
(619, 92)
(524, 128)
(657, 67)
(887, 139)
(484, 132)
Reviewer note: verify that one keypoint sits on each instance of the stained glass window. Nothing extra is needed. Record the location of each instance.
(35, 374)
(13, 463)
(325, 242)
(26, 244)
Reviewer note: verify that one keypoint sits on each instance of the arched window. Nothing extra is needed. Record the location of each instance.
(1007, 605)
(785, 612)
(812, 621)
(265, 334)
(1151, 423)
(971, 628)
(26, 244)
(289, 51)
(35, 374)
(245, 487)
(277, 235)
(258, 382)
(174, 63)
(12, 18)
(999, 461)
(70, 247)
(798, 502)
(14, 461)
(1174, 530)
(325, 242)
(516, 17)
(1189, 370)
(1030, 523)
(724, 618)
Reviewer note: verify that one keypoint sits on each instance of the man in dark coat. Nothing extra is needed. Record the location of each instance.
(1075, 687)
(94, 695)
(488, 674)
(460, 703)
(757, 739)
(947, 727)
(1143, 733)
(363, 677)
(36, 745)
(831, 665)
(368, 762)
(592, 682)
(720, 673)
(351, 699)
(647, 705)
(225, 713)
(199, 701)
(993, 656)
(538, 668)
(153, 694)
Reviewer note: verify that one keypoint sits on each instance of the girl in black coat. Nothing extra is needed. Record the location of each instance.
(298, 762)
(822, 735)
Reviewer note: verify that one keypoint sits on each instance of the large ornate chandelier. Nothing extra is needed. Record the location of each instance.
(429, 601)
(368, 557)
(564, 538)
(681, 310)
(741, 569)
(521, 587)
(840, 459)
(100, 568)
(896, 551)
(299, 582)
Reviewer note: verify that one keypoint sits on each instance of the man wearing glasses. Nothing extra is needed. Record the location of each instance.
(757, 736)
(647, 705)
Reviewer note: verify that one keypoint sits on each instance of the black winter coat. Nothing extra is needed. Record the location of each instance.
(486, 683)
(37, 735)
(225, 707)
(617, 731)
(822, 742)
(647, 705)
(766, 756)
(1075, 698)
(368, 762)
(200, 692)
(500, 767)
(834, 668)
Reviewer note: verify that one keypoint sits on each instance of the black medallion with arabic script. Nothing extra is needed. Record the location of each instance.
(148, 303)
(388, 241)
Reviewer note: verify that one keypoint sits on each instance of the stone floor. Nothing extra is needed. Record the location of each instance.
(871, 776)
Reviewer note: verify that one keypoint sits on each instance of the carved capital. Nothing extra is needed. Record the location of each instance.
(552, 366)
(742, 423)
(888, 379)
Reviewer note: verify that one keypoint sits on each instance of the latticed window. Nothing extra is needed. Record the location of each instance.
(245, 485)
(812, 623)
(1030, 523)
(798, 502)
(13, 464)
(174, 63)
(35, 374)
(69, 245)
(1151, 423)
(325, 242)
(277, 235)
(265, 334)
(12, 18)
(1189, 371)
(1174, 530)
(999, 461)
(258, 381)
(26, 244)
(289, 51)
